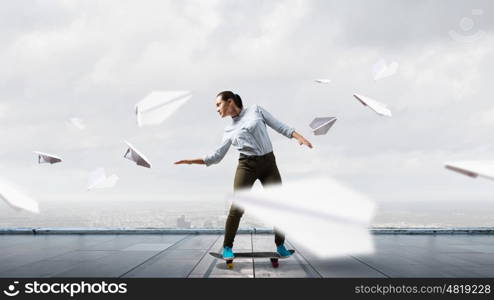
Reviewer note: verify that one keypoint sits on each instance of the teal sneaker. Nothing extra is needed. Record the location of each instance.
(228, 253)
(282, 251)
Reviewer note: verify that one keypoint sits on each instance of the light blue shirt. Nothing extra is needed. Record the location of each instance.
(248, 134)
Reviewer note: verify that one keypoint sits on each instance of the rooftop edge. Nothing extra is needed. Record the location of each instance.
(123, 230)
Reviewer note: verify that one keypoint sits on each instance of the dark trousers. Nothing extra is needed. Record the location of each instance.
(249, 169)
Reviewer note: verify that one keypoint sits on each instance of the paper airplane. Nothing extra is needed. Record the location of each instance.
(473, 168)
(98, 180)
(378, 107)
(47, 158)
(323, 81)
(77, 122)
(159, 105)
(134, 155)
(322, 125)
(17, 199)
(320, 214)
(381, 70)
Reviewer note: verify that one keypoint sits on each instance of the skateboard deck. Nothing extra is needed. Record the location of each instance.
(273, 256)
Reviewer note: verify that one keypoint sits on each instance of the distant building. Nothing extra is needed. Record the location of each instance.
(182, 223)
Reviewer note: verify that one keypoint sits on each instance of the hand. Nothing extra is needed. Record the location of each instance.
(302, 141)
(183, 162)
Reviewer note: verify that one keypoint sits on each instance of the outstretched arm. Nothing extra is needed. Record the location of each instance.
(274, 123)
(213, 158)
(282, 128)
(197, 161)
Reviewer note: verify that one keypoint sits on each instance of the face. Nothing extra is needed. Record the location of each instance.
(223, 107)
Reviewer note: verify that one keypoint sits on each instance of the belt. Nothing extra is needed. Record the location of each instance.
(256, 157)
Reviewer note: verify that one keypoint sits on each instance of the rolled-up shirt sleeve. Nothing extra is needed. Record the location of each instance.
(220, 152)
(277, 125)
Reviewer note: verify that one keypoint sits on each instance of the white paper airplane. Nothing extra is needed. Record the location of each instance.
(77, 123)
(473, 168)
(323, 81)
(322, 125)
(376, 106)
(381, 70)
(47, 158)
(134, 155)
(98, 180)
(159, 105)
(319, 214)
(17, 199)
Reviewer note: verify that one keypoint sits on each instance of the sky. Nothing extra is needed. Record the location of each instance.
(94, 60)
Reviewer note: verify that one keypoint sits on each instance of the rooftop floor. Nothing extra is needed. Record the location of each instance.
(186, 255)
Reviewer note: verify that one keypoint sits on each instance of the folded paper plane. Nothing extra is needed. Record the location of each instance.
(134, 155)
(16, 198)
(45, 158)
(473, 168)
(98, 179)
(159, 105)
(382, 70)
(322, 125)
(323, 81)
(318, 214)
(376, 106)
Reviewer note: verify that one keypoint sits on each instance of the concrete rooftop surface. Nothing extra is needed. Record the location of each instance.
(186, 256)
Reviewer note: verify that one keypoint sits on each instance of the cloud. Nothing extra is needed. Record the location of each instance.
(486, 118)
(3, 110)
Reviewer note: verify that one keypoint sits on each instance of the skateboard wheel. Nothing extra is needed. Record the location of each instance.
(274, 262)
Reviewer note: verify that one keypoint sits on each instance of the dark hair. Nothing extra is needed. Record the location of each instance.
(225, 95)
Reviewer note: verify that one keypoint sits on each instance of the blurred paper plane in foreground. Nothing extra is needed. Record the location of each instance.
(45, 158)
(322, 125)
(159, 105)
(134, 155)
(98, 180)
(17, 199)
(376, 106)
(318, 214)
(473, 168)
(323, 81)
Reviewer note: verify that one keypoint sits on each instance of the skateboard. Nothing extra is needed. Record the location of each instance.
(273, 257)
